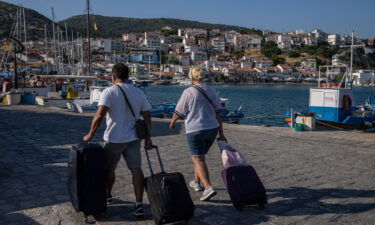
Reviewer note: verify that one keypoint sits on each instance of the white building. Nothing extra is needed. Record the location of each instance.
(218, 44)
(312, 41)
(188, 41)
(129, 37)
(299, 31)
(334, 39)
(272, 37)
(285, 45)
(107, 45)
(245, 41)
(283, 37)
(309, 64)
(229, 36)
(198, 56)
(152, 43)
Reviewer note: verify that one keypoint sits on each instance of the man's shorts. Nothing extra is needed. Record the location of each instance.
(200, 141)
(130, 151)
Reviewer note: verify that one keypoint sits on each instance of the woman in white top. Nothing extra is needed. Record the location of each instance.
(200, 106)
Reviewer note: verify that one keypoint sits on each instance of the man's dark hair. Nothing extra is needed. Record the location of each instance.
(120, 71)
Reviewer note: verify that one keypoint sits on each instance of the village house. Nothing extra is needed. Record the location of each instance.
(308, 64)
(129, 37)
(334, 39)
(198, 56)
(247, 41)
(311, 41)
(262, 62)
(218, 44)
(152, 42)
(107, 45)
(284, 69)
(229, 36)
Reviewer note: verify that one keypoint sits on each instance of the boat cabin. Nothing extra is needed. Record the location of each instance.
(331, 104)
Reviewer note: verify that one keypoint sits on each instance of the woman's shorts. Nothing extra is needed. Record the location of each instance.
(201, 141)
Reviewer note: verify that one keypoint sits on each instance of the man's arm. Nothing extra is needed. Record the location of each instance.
(96, 121)
(147, 117)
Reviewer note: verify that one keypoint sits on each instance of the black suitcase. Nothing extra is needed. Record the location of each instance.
(244, 186)
(87, 178)
(168, 195)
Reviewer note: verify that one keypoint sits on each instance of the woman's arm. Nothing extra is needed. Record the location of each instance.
(175, 117)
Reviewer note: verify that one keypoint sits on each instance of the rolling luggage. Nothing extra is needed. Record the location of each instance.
(87, 178)
(168, 195)
(244, 186)
(242, 182)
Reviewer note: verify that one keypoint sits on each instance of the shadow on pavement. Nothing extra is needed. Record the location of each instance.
(306, 201)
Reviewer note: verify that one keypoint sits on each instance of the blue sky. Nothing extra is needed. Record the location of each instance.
(334, 16)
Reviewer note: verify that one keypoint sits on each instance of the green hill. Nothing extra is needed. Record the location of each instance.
(116, 26)
(34, 21)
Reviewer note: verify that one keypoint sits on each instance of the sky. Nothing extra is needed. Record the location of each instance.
(332, 16)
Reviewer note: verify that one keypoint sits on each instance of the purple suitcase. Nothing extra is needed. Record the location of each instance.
(244, 186)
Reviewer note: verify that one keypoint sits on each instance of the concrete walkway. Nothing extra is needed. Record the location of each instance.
(323, 177)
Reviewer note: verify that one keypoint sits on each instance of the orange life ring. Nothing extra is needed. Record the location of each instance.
(58, 82)
(347, 102)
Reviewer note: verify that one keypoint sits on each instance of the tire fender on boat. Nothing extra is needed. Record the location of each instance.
(346, 102)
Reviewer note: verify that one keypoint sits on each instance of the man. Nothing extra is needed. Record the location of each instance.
(120, 135)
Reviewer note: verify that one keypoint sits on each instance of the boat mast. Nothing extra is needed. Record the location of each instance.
(24, 30)
(88, 37)
(351, 57)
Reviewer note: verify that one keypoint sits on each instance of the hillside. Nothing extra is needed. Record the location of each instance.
(34, 21)
(116, 26)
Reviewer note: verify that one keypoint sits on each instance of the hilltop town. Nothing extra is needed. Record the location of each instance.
(167, 54)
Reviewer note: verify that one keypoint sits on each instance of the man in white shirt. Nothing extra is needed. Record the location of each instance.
(120, 135)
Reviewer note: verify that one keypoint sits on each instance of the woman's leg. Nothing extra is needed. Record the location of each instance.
(201, 170)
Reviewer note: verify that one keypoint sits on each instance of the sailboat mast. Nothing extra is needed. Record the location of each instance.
(351, 57)
(24, 30)
(88, 37)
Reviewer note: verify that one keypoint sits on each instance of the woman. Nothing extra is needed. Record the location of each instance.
(200, 106)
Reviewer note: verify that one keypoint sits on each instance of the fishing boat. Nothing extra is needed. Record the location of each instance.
(227, 115)
(333, 105)
(230, 115)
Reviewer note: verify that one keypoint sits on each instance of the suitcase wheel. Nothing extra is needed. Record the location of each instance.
(239, 206)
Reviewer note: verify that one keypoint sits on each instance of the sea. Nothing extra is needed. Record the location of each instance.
(263, 104)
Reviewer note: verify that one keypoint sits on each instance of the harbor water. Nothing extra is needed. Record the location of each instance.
(263, 104)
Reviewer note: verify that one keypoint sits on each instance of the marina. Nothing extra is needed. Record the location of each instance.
(292, 143)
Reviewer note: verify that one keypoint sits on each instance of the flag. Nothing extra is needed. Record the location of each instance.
(95, 26)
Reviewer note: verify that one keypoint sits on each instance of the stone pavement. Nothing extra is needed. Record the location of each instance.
(323, 177)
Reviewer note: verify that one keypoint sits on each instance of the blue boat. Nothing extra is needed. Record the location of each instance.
(227, 115)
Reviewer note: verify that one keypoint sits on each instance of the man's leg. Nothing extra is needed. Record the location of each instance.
(111, 178)
(113, 155)
(138, 179)
(132, 156)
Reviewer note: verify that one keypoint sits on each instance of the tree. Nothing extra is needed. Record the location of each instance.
(270, 48)
(293, 54)
(221, 78)
(277, 60)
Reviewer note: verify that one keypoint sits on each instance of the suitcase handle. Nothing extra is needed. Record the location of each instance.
(149, 162)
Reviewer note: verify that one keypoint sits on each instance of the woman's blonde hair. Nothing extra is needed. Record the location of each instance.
(196, 74)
